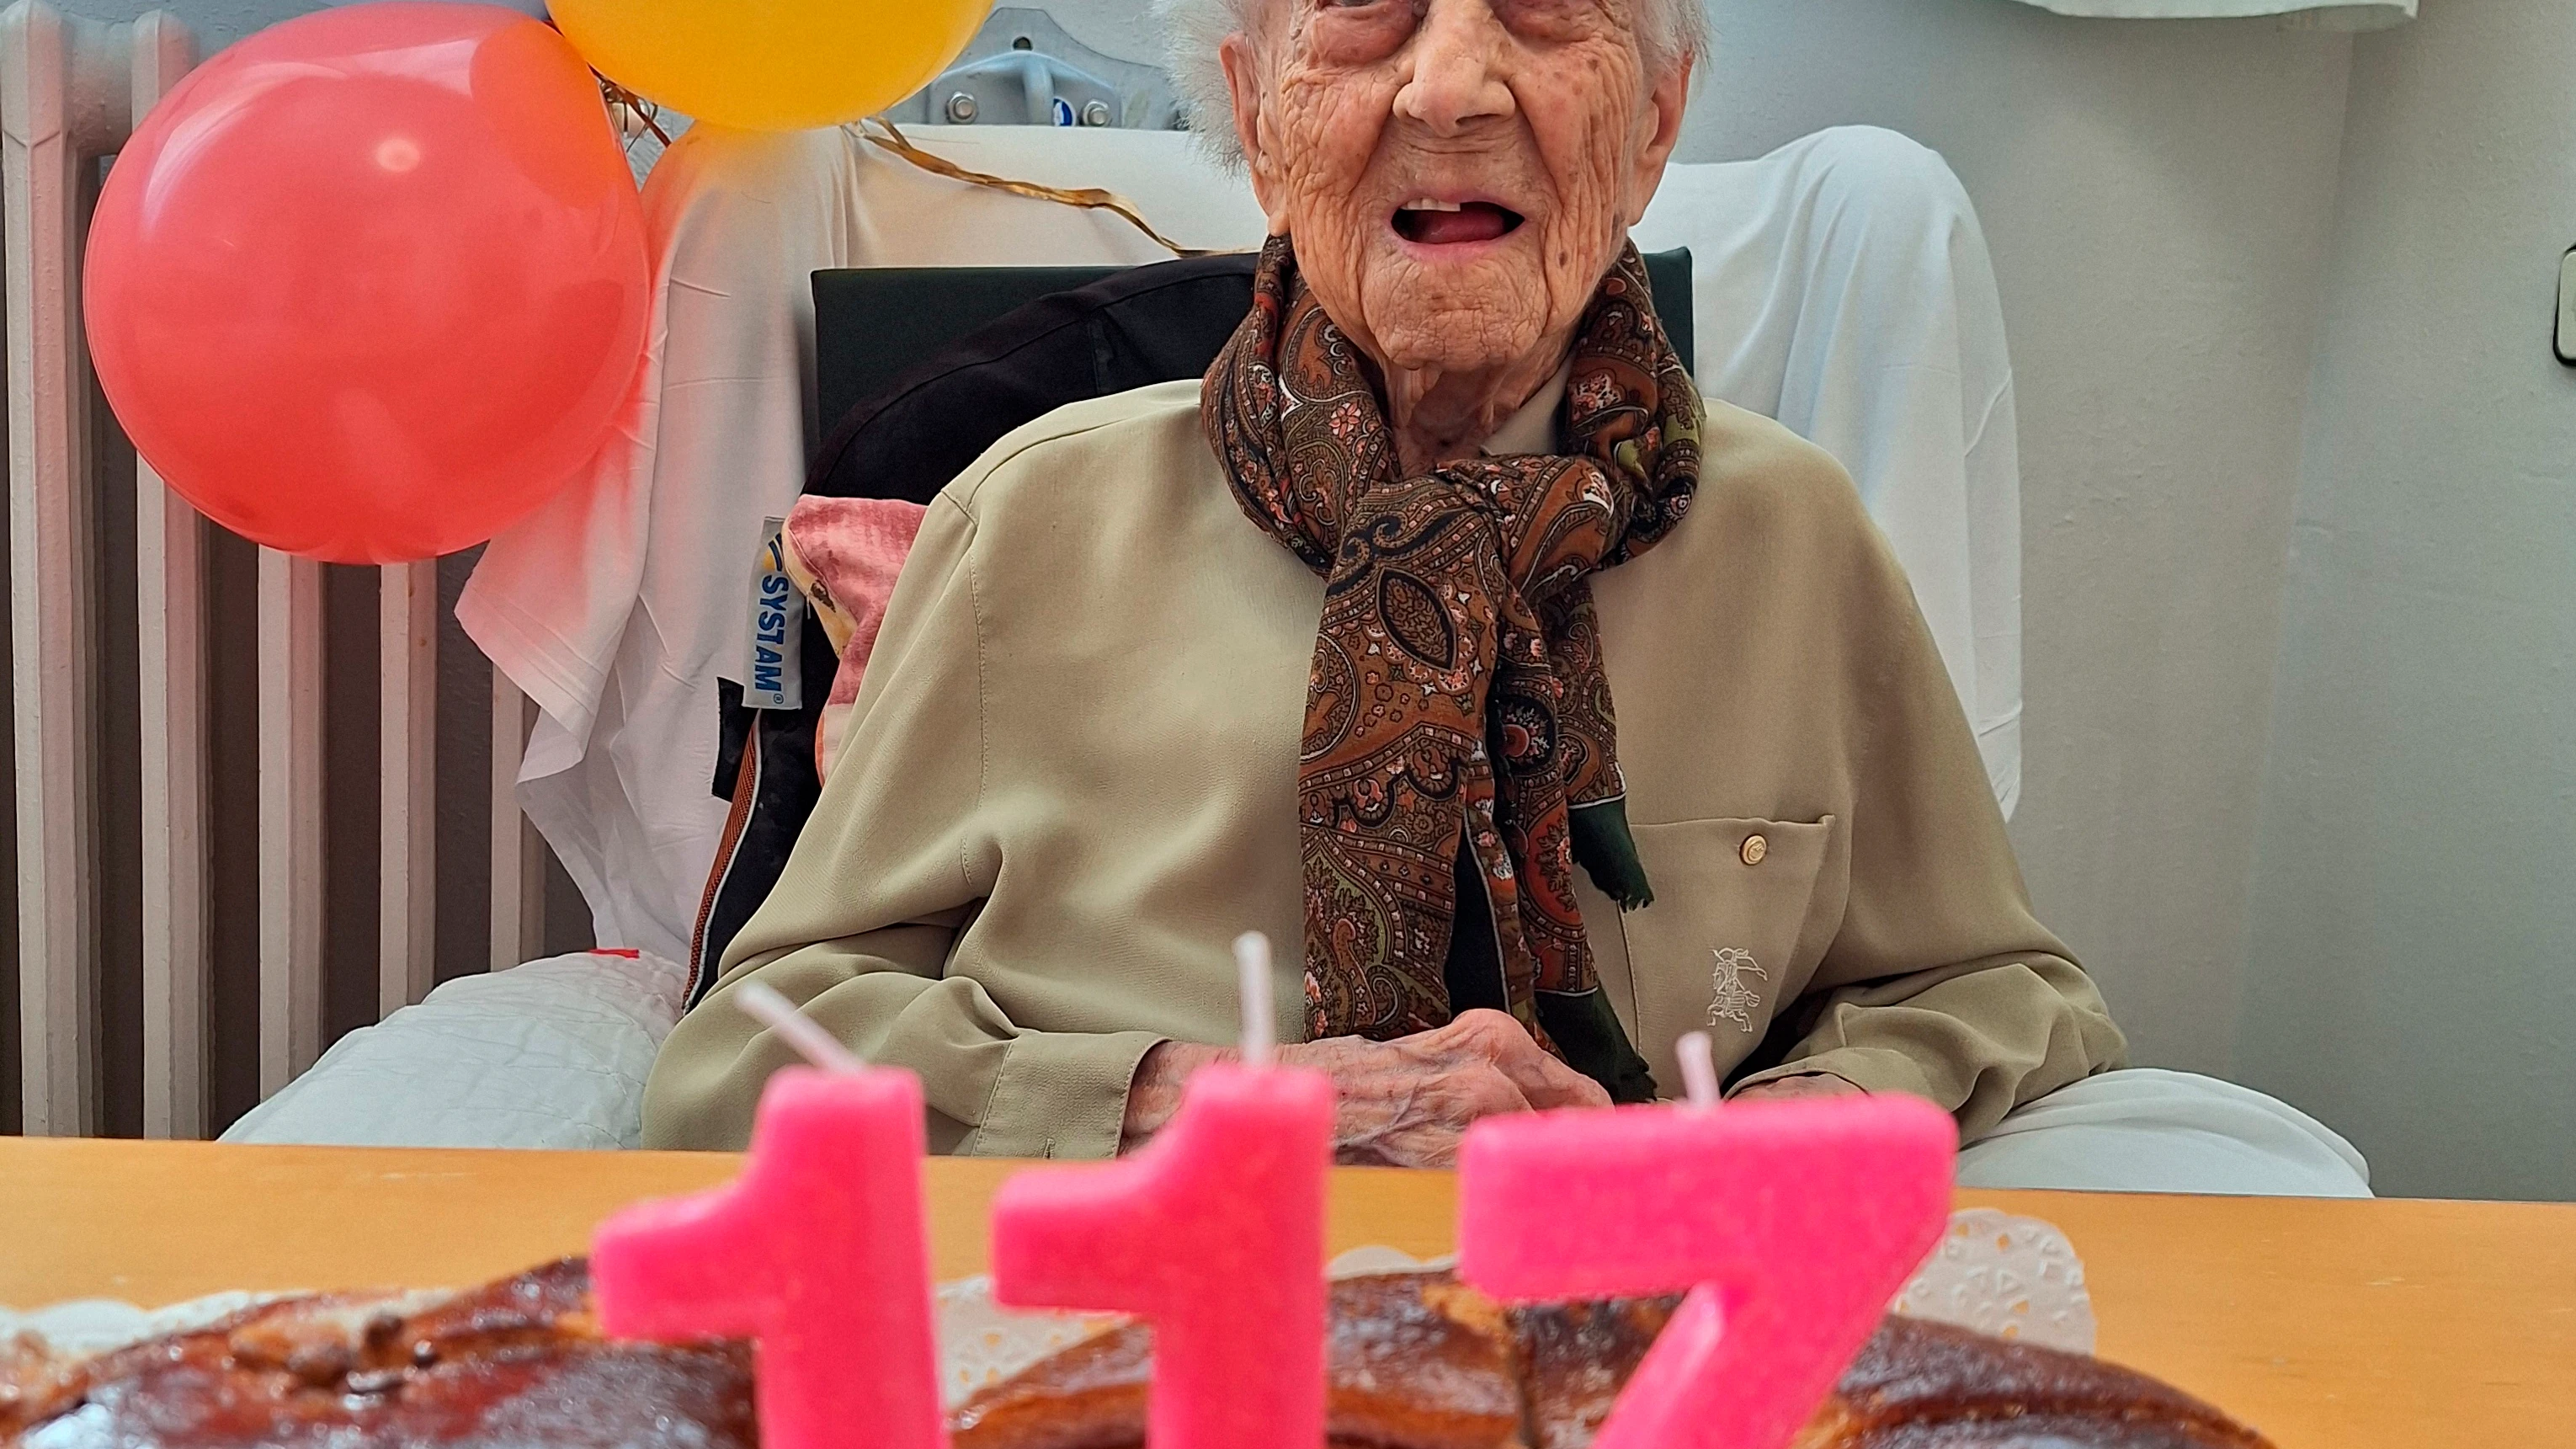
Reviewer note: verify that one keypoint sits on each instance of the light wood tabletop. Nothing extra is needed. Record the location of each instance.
(2330, 1325)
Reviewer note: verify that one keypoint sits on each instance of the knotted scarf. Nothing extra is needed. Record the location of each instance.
(1459, 755)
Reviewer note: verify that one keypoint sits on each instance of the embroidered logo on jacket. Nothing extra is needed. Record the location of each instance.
(1730, 998)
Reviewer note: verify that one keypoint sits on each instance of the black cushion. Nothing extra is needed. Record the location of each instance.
(922, 368)
(909, 431)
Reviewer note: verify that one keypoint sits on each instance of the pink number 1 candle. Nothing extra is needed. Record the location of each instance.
(816, 1252)
(1214, 1231)
(1791, 1224)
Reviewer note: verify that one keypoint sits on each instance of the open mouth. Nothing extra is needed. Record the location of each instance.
(1433, 222)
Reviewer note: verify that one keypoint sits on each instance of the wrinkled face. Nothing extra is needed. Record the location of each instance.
(1457, 174)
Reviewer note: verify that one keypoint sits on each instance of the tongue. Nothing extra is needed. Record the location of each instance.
(1476, 221)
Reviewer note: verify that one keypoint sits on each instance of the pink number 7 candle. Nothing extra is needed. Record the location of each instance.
(816, 1252)
(1214, 1231)
(1791, 1224)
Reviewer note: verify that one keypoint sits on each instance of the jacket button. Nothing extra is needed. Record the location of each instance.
(1755, 847)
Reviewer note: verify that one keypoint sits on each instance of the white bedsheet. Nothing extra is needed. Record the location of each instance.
(1841, 285)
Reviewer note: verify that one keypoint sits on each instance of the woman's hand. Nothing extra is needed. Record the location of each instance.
(1402, 1103)
(1407, 1103)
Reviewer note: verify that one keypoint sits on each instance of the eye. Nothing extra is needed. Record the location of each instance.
(1361, 32)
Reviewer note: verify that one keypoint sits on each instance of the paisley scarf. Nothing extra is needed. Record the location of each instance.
(1459, 756)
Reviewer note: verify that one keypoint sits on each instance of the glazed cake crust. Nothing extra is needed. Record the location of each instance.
(1416, 1361)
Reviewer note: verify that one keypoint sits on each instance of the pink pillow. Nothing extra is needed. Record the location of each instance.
(846, 554)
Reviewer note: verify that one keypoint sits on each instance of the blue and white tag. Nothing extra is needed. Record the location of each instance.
(775, 674)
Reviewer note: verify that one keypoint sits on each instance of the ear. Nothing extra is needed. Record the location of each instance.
(1659, 130)
(1243, 82)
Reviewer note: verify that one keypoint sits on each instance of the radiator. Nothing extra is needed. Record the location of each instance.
(70, 90)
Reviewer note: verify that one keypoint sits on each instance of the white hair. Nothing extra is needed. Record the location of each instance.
(1667, 32)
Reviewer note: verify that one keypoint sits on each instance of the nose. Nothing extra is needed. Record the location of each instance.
(1457, 80)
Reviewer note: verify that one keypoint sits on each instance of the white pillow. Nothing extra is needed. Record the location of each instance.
(550, 1054)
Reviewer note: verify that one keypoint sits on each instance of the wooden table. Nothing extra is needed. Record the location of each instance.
(2331, 1325)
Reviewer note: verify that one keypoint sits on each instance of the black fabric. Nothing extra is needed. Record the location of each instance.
(771, 802)
(1130, 328)
(1027, 340)
(1083, 332)
(1474, 971)
(876, 327)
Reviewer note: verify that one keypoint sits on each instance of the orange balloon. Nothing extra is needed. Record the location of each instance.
(771, 65)
(371, 284)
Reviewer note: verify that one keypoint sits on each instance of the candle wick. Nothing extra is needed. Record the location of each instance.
(1699, 1069)
(763, 1004)
(1260, 1023)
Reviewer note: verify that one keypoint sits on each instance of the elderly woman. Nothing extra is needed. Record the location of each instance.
(1329, 645)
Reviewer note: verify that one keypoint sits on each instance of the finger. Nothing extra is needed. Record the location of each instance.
(1468, 1034)
(1436, 1152)
(1416, 1117)
(1451, 1104)
(1483, 1033)
(1484, 1091)
(1546, 1081)
(1549, 1083)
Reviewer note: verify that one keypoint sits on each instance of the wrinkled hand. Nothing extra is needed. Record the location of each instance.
(1404, 1103)
(1407, 1103)
(1819, 1084)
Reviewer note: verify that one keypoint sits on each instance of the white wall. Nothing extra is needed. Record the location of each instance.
(2414, 930)
(219, 23)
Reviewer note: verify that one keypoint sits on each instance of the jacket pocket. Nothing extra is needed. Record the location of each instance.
(1735, 932)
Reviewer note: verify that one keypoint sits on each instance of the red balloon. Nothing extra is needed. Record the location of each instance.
(370, 285)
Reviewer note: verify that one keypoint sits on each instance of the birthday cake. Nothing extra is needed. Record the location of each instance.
(1418, 1361)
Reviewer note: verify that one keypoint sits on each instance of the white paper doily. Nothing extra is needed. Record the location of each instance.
(2015, 1278)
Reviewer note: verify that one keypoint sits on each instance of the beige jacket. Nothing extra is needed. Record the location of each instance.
(1071, 781)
